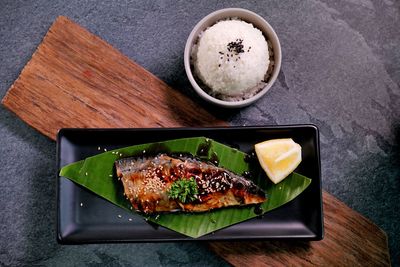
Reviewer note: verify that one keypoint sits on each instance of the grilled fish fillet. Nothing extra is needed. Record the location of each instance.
(146, 183)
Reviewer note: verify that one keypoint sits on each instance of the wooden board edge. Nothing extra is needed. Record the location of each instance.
(221, 248)
(329, 197)
(5, 101)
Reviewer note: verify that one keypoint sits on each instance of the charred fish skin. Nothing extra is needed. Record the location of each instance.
(147, 181)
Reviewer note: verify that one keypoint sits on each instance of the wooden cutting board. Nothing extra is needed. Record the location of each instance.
(75, 79)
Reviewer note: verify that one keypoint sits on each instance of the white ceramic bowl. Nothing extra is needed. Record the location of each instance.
(244, 15)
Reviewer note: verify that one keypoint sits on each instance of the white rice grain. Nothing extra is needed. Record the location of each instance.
(232, 59)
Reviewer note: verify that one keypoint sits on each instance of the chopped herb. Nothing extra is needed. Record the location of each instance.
(184, 190)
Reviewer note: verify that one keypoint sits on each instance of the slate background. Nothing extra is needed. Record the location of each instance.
(340, 71)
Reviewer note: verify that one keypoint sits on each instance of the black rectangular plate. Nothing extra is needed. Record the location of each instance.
(84, 217)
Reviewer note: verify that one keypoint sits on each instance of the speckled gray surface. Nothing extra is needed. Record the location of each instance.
(341, 71)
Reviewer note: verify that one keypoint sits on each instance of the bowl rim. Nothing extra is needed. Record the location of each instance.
(271, 36)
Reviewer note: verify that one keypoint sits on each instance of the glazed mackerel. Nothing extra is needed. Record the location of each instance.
(147, 182)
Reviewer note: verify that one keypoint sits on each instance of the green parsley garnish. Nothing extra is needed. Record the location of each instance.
(184, 190)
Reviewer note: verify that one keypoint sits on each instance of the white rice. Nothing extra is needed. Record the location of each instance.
(232, 59)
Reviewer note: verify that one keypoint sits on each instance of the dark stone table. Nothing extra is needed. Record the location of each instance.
(340, 71)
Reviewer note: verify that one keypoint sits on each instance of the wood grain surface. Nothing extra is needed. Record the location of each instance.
(350, 240)
(75, 79)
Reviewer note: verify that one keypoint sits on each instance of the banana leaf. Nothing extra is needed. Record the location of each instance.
(97, 174)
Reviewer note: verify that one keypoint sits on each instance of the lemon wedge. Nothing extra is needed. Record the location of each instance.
(278, 157)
